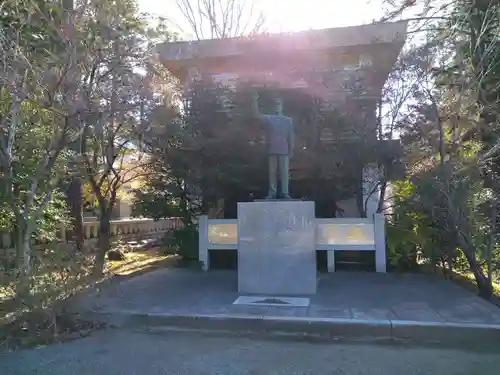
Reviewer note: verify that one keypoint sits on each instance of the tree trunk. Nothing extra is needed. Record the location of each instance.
(450, 266)
(360, 199)
(442, 263)
(104, 240)
(485, 288)
(381, 201)
(492, 238)
(23, 246)
(75, 201)
(483, 284)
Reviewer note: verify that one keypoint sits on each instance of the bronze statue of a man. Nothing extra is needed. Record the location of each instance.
(280, 142)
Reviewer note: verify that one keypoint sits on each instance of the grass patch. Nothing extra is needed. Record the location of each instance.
(45, 319)
(464, 279)
(140, 262)
(39, 328)
(42, 317)
(467, 281)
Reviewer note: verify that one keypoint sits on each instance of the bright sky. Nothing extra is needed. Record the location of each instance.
(290, 15)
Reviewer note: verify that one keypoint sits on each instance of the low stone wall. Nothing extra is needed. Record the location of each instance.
(125, 228)
(132, 227)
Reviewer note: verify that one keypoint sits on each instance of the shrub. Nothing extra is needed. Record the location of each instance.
(184, 242)
(402, 249)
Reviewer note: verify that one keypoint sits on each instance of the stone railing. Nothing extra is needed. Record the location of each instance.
(132, 227)
(128, 228)
(356, 234)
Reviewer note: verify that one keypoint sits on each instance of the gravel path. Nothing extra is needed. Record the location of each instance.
(115, 352)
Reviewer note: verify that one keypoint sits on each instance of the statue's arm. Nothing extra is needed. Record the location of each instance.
(291, 139)
(255, 106)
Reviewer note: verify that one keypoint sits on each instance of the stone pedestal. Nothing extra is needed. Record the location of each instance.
(276, 248)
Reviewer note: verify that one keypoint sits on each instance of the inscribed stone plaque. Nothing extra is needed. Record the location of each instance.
(346, 234)
(223, 234)
(276, 248)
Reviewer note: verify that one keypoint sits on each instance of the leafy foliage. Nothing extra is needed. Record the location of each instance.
(447, 212)
(184, 242)
(213, 149)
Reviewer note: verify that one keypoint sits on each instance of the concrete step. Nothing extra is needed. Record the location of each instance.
(326, 328)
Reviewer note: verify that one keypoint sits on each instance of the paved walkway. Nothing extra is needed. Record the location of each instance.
(352, 296)
(122, 352)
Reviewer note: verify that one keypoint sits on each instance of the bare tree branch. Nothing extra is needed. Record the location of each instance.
(218, 19)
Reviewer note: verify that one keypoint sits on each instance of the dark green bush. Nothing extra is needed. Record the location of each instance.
(184, 242)
(402, 250)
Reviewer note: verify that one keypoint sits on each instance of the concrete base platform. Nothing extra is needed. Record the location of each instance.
(276, 248)
(407, 307)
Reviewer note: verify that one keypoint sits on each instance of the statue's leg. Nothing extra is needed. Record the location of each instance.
(284, 175)
(273, 176)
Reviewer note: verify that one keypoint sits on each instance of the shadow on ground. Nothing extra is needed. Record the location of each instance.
(24, 326)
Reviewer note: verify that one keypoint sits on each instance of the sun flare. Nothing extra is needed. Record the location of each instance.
(290, 15)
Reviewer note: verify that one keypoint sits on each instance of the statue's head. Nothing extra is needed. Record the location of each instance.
(278, 105)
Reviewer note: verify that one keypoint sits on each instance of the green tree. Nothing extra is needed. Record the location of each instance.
(456, 128)
(68, 76)
(35, 119)
(122, 86)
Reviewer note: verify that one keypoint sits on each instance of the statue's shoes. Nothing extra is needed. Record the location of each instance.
(286, 196)
(271, 197)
